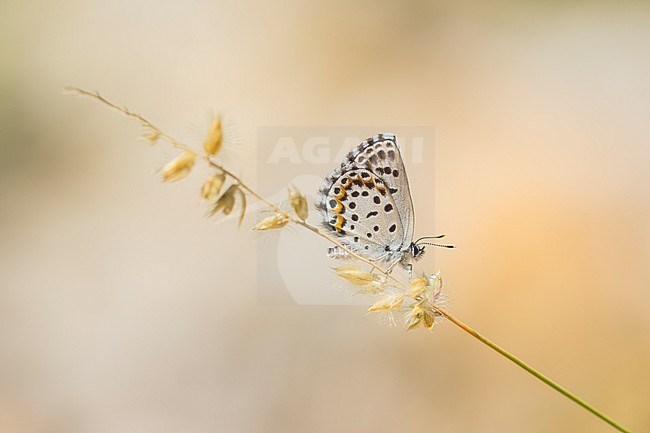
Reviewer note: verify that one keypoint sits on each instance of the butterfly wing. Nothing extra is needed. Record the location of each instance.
(359, 208)
(367, 202)
(381, 155)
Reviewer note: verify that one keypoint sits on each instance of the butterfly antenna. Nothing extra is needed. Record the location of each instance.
(430, 237)
(438, 245)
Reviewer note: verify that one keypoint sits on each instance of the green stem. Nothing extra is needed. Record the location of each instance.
(565, 392)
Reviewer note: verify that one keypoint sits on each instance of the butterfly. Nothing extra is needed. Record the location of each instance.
(366, 204)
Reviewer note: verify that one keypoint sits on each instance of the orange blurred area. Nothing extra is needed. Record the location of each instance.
(123, 309)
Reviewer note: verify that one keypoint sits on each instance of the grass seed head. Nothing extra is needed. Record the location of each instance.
(214, 139)
(418, 286)
(273, 222)
(298, 203)
(428, 318)
(414, 317)
(388, 303)
(226, 202)
(357, 277)
(179, 167)
(212, 186)
(151, 135)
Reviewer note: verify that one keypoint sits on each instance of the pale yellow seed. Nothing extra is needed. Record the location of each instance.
(388, 303)
(226, 202)
(152, 136)
(214, 139)
(428, 319)
(373, 288)
(357, 277)
(418, 286)
(298, 203)
(212, 187)
(272, 222)
(414, 317)
(179, 167)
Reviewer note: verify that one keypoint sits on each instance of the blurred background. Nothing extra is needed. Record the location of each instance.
(122, 309)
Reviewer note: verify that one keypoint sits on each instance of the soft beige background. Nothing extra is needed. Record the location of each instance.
(123, 310)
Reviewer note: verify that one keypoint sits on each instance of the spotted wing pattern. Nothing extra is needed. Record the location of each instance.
(367, 202)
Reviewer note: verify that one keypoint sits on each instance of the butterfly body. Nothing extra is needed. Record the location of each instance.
(367, 205)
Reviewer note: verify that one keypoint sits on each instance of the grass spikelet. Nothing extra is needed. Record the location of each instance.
(226, 202)
(273, 222)
(388, 303)
(179, 167)
(242, 206)
(298, 202)
(212, 186)
(418, 286)
(214, 139)
(414, 317)
(357, 277)
(151, 135)
(428, 319)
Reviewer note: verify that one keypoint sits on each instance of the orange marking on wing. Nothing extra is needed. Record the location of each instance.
(340, 221)
(341, 195)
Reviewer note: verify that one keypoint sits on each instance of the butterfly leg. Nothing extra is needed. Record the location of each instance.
(390, 268)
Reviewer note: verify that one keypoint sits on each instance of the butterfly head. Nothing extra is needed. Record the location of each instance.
(416, 251)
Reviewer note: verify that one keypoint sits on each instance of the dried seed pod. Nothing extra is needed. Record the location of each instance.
(212, 186)
(357, 277)
(388, 303)
(226, 202)
(428, 319)
(214, 139)
(298, 202)
(151, 135)
(418, 286)
(179, 167)
(276, 221)
(414, 316)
